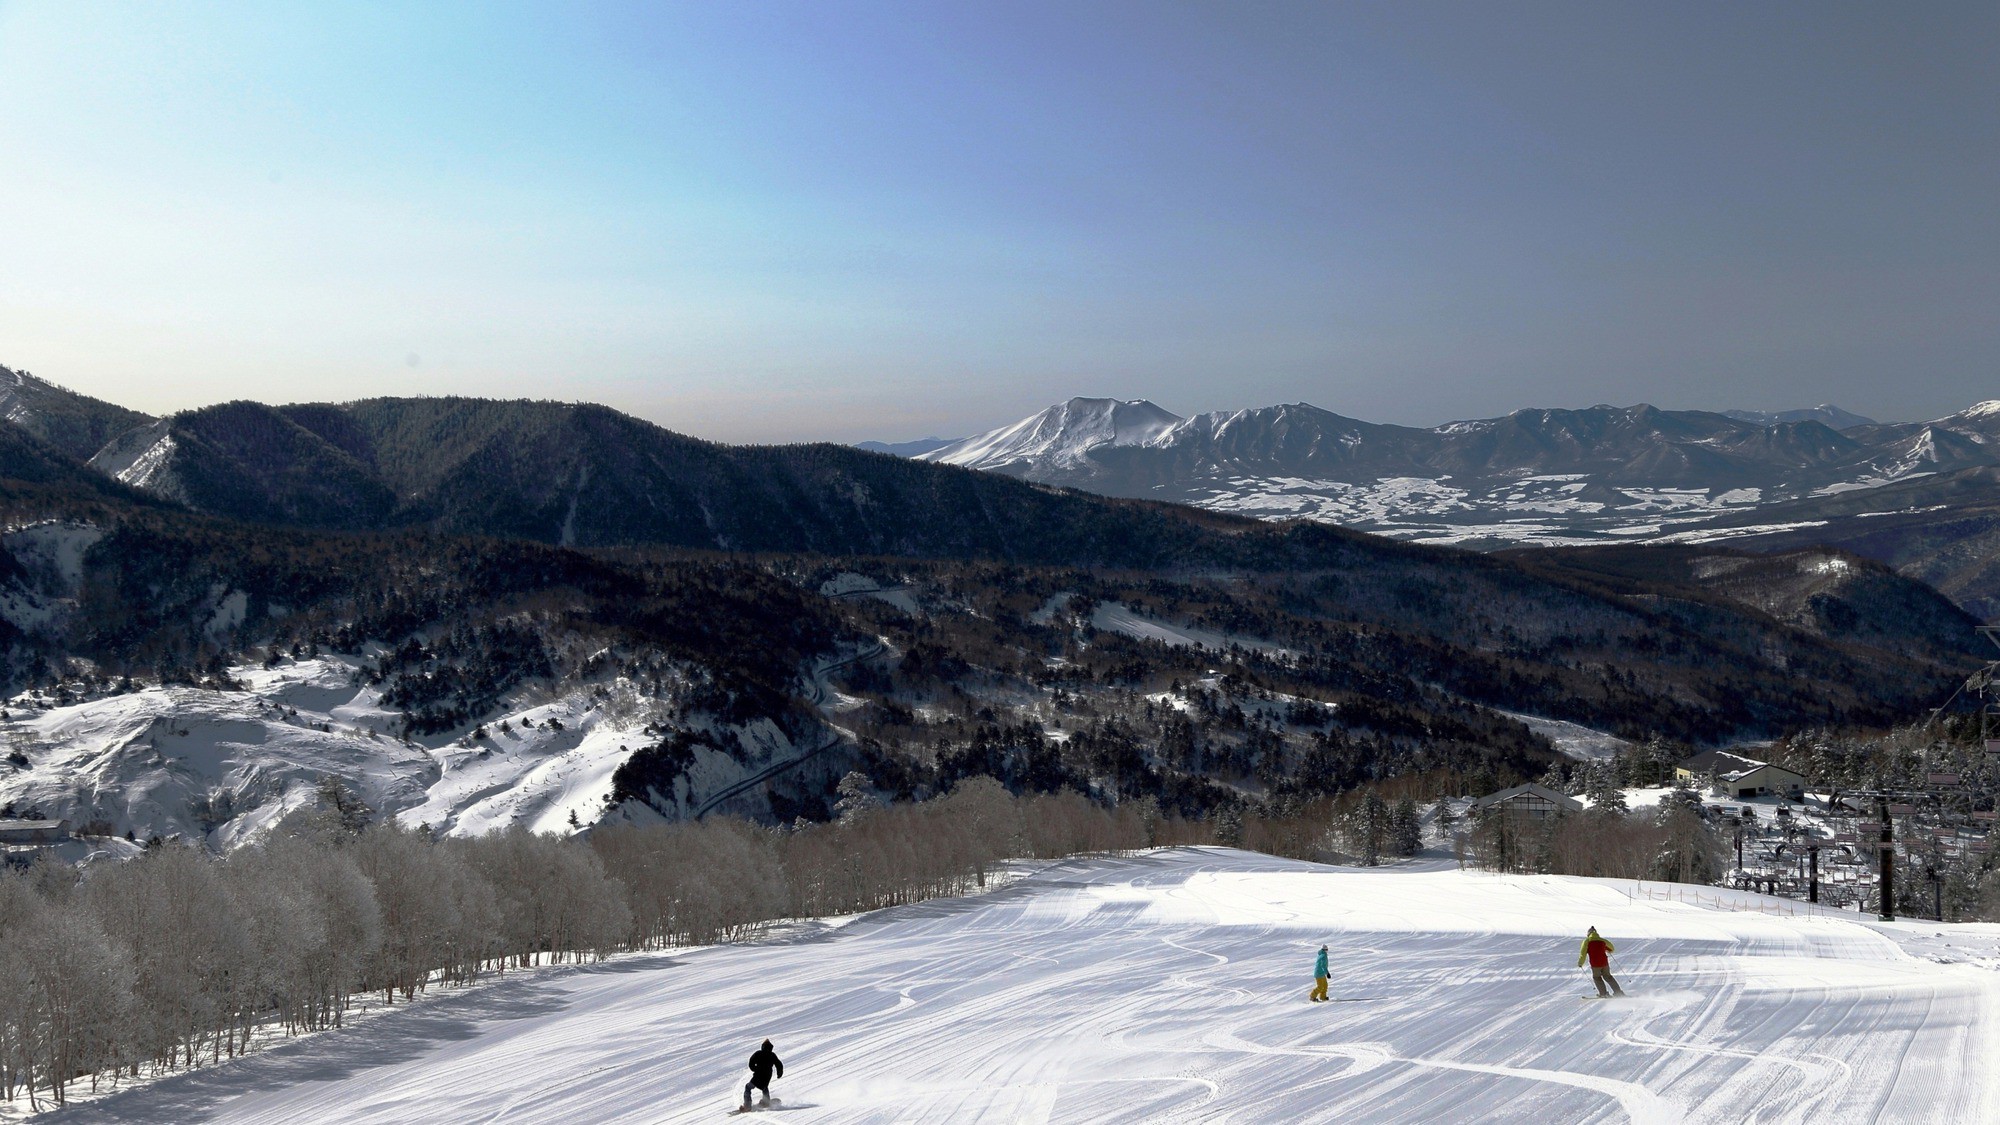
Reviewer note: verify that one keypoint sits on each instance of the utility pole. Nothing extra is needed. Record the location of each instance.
(1812, 887)
(1888, 857)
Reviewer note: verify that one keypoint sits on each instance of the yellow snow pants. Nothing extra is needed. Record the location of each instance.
(1319, 988)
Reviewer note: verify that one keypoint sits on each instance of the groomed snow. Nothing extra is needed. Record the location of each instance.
(1172, 987)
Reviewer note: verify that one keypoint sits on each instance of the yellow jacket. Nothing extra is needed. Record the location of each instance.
(1583, 951)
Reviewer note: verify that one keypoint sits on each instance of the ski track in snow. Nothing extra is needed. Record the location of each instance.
(1171, 987)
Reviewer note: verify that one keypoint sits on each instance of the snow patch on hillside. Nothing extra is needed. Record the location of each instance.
(1573, 739)
(1554, 509)
(51, 554)
(148, 466)
(520, 777)
(1116, 617)
(225, 766)
(849, 584)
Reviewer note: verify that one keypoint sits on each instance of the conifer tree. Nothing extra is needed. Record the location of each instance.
(1406, 832)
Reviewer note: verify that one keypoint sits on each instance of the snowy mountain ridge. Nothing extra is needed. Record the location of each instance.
(1063, 435)
(1534, 477)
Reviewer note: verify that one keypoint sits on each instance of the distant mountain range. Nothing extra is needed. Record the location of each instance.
(580, 475)
(1923, 497)
(906, 448)
(1604, 474)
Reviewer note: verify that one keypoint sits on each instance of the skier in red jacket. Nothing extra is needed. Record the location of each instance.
(1598, 952)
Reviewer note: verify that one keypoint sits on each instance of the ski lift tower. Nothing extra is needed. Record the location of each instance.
(1984, 684)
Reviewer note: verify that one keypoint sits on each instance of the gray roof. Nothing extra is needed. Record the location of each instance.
(1722, 763)
(1531, 789)
(30, 825)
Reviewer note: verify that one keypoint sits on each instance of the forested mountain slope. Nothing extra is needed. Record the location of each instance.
(1313, 662)
(1942, 529)
(76, 425)
(587, 476)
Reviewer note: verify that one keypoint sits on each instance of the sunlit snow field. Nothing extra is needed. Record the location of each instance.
(1172, 986)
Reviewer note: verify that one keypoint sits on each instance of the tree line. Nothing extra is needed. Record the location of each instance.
(179, 957)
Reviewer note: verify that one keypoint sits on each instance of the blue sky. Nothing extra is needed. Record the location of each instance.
(783, 221)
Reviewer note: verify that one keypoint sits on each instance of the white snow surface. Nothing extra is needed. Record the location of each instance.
(143, 760)
(139, 760)
(1117, 617)
(1171, 986)
(1573, 739)
(139, 457)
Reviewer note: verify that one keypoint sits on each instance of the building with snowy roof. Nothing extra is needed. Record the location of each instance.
(1733, 775)
(1529, 802)
(27, 832)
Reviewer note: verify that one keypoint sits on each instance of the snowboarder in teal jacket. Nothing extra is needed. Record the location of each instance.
(1319, 976)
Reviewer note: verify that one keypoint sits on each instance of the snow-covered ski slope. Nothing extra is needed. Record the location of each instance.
(1172, 986)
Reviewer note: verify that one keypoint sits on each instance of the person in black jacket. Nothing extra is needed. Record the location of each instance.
(762, 1066)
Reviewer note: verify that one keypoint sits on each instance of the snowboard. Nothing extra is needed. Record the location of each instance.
(774, 1103)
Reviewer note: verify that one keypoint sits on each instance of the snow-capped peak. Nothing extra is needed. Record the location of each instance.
(1982, 409)
(1063, 434)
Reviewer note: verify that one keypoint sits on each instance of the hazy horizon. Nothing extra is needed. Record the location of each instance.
(904, 439)
(889, 221)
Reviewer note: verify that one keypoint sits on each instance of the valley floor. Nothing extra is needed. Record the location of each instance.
(1171, 986)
